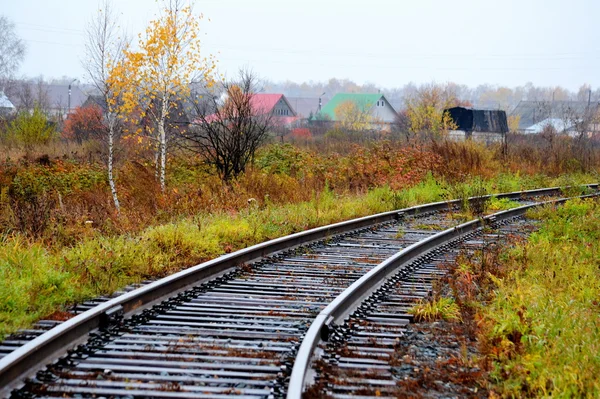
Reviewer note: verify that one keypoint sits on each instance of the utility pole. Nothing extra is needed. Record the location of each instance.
(320, 101)
(69, 102)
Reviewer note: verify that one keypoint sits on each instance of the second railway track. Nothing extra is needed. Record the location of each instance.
(235, 334)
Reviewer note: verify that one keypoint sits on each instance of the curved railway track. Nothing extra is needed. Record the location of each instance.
(237, 325)
(363, 356)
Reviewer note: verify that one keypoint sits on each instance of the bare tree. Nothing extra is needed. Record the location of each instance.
(104, 50)
(402, 125)
(230, 125)
(29, 94)
(12, 50)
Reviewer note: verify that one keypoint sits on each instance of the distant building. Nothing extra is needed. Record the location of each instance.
(305, 107)
(483, 125)
(277, 105)
(563, 116)
(52, 98)
(95, 100)
(6, 107)
(557, 124)
(376, 104)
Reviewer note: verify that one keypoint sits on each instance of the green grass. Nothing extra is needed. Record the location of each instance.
(500, 204)
(543, 324)
(35, 282)
(438, 309)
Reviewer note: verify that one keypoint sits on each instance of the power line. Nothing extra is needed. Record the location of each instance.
(55, 28)
(60, 44)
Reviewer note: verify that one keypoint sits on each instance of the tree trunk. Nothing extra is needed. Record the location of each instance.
(111, 179)
(163, 143)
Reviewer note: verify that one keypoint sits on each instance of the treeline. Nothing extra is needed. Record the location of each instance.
(484, 96)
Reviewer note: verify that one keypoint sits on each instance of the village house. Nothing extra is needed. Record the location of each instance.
(6, 107)
(374, 106)
(275, 104)
(488, 126)
(306, 107)
(570, 117)
(54, 99)
(282, 113)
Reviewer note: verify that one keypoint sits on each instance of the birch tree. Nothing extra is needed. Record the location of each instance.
(12, 50)
(168, 60)
(104, 59)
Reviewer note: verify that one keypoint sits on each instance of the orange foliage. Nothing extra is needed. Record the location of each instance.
(301, 133)
(83, 124)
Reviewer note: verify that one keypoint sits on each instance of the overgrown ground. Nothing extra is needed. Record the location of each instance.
(61, 241)
(541, 330)
(531, 307)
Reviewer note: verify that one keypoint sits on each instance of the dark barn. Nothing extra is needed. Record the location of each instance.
(479, 121)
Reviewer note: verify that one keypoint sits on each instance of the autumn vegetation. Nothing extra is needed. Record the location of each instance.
(172, 167)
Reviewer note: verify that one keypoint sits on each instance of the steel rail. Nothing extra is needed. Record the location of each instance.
(47, 347)
(350, 299)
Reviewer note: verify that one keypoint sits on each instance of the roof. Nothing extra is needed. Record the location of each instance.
(96, 100)
(57, 95)
(479, 120)
(5, 102)
(263, 104)
(266, 102)
(305, 106)
(364, 101)
(558, 124)
(532, 112)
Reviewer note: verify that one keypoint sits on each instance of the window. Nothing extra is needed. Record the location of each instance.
(378, 103)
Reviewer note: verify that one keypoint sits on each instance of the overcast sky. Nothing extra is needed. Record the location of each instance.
(386, 42)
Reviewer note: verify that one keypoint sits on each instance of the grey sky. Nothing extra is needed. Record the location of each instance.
(389, 43)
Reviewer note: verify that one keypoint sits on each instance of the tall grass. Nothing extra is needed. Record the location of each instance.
(59, 228)
(542, 329)
(36, 282)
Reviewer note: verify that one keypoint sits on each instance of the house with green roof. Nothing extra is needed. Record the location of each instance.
(375, 105)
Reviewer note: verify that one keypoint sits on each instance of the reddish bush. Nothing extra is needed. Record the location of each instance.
(83, 124)
(301, 133)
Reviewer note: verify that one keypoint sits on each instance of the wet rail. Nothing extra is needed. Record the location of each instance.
(231, 326)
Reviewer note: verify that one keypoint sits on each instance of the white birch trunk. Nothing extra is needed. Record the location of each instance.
(163, 143)
(111, 152)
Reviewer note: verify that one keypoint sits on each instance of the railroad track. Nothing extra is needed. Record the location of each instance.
(231, 326)
(363, 357)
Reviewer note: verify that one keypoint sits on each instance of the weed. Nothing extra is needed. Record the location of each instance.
(437, 309)
(540, 328)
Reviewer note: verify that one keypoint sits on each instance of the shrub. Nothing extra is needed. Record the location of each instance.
(301, 133)
(83, 124)
(31, 129)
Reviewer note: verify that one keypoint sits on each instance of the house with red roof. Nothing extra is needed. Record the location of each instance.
(282, 113)
(275, 104)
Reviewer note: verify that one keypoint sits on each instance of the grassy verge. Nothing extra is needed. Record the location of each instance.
(541, 329)
(36, 280)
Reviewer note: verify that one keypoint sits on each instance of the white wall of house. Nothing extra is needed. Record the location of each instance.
(482, 137)
(383, 111)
